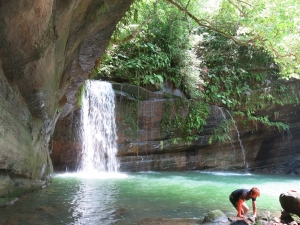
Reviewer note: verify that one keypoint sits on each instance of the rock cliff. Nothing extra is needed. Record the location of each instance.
(47, 49)
(143, 145)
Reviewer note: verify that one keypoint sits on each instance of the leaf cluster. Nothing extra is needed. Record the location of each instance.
(184, 120)
(231, 72)
(157, 53)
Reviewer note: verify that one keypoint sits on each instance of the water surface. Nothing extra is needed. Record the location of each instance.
(129, 198)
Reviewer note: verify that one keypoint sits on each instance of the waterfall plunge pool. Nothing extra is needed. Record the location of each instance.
(128, 198)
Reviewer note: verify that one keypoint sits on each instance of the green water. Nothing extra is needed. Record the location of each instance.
(134, 196)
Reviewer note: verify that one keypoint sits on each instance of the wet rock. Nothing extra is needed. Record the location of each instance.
(265, 215)
(276, 219)
(286, 217)
(33, 219)
(47, 209)
(261, 222)
(10, 203)
(216, 216)
(239, 221)
(293, 223)
(12, 220)
(119, 212)
(161, 221)
(290, 202)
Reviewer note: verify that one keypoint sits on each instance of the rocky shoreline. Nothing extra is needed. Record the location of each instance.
(217, 217)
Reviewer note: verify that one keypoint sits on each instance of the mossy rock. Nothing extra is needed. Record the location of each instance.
(215, 216)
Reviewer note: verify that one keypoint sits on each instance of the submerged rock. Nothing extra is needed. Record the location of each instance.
(119, 212)
(47, 209)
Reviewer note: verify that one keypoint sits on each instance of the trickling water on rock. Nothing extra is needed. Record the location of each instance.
(224, 118)
(238, 136)
(98, 129)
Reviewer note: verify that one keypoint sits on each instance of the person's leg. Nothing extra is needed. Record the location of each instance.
(245, 208)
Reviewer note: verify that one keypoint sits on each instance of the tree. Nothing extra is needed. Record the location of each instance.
(270, 24)
(150, 47)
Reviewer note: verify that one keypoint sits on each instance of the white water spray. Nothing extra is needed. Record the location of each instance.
(98, 129)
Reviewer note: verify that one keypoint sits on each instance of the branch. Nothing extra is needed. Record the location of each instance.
(187, 5)
(200, 23)
(245, 3)
(241, 11)
(278, 55)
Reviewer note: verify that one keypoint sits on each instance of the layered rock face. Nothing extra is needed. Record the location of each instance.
(143, 145)
(47, 50)
(252, 146)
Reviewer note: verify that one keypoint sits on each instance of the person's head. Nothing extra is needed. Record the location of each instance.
(254, 192)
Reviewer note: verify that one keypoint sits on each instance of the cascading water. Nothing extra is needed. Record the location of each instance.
(238, 136)
(98, 129)
(224, 118)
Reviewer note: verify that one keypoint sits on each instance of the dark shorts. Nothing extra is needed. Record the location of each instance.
(233, 201)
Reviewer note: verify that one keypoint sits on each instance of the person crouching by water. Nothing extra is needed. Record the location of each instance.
(238, 198)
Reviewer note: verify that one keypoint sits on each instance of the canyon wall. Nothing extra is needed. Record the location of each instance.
(47, 50)
(143, 145)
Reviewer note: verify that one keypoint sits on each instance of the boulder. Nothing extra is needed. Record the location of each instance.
(216, 216)
(290, 202)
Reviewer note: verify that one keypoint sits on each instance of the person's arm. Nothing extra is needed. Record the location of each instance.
(254, 208)
(239, 208)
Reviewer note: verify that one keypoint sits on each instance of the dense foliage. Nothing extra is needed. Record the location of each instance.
(230, 71)
(156, 54)
(242, 79)
(273, 25)
(236, 58)
(181, 126)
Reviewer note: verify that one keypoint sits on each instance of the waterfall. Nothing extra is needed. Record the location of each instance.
(238, 136)
(98, 129)
(224, 118)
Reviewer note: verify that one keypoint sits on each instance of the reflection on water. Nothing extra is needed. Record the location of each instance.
(128, 198)
(103, 199)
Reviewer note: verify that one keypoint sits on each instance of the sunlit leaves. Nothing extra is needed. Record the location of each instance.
(271, 24)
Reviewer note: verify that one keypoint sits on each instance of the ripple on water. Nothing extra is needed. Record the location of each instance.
(120, 198)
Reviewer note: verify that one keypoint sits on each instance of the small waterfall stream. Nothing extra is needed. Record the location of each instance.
(98, 129)
(241, 144)
(238, 136)
(224, 118)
